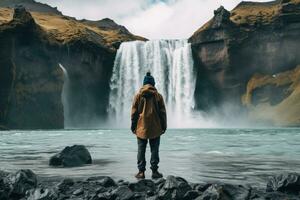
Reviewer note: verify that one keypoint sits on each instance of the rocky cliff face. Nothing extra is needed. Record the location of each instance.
(32, 46)
(234, 46)
(275, 97)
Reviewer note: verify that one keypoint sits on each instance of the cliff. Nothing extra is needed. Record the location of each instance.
(275, 97)
(254, 38)
(33, 44)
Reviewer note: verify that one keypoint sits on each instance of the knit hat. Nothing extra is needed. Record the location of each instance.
(148, 79)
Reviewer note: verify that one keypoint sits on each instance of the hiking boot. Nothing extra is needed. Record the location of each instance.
(156, 174)
(140, 175)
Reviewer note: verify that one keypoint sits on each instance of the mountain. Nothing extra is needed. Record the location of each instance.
(33, 43)
(235, 46)
(30, 5)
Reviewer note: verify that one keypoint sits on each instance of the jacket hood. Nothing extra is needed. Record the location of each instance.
(148, 90)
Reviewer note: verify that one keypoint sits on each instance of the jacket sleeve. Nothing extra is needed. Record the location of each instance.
(163, 113)
(134, 113)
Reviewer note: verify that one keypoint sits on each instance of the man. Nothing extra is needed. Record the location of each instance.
(148, 122)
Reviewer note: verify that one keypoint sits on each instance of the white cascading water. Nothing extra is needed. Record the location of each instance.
(65, 96)
(171, 65)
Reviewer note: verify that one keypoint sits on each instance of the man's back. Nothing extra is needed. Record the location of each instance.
(148, 113)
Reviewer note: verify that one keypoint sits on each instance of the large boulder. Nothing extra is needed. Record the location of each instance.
(174, 188)
(287, 183)
(76, 155)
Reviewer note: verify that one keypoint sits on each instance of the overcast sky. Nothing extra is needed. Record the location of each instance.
(153, 19)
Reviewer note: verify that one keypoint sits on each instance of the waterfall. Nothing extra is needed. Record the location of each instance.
(65, 97)
(171, 64)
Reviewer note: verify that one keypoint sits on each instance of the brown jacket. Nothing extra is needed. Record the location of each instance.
(148, 113)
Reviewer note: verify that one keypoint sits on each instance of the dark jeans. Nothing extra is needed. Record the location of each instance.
(154, 146)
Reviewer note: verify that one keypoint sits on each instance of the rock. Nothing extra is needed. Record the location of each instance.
(20, 182)
(76, 155)
(42, 194)
(159, 181)
(78, 192)
(144, 185)
(102, 196)
(221, 18)
(233, 46)
(122, 193)
(201, 187)
(193, 194)
(104, 181)
(21, 14)
(101, 190)
(65, 184)
(225, 191)
(288, 183)
(174, 188)
(152, 198)
(4, 186)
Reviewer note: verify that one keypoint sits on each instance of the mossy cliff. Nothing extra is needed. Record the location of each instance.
(33, 44)
(235, 45)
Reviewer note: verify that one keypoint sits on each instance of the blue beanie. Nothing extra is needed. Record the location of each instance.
(149, 79)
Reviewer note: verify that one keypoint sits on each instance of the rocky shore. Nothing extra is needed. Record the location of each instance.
(26, 185)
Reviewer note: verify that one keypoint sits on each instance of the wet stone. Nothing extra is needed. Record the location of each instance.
(78, 192)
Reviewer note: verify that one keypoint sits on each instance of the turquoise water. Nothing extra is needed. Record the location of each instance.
(199, 155)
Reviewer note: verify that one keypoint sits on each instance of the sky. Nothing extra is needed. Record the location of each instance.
(153, 19)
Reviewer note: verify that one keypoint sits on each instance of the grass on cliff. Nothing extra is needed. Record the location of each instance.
(65, 29)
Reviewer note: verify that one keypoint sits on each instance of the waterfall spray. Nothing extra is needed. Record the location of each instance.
(171, 64)
(65, 97)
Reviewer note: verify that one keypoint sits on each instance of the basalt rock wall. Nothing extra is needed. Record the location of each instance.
(32, 46)
(254, 38)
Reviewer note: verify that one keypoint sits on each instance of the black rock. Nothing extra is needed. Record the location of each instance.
(4, 186)
(152, 198)
(122, 193)
(102, 196)
(22, 15)
(65, 185)
(159, 181)
(226, 191)
(174, 188)
(73, 156)
(193, 194)
(20, 182)
(144, 185)
(78, 192)
(101, 190)
(201, 187)
(288, 183)
(42, 194)
(105, 181)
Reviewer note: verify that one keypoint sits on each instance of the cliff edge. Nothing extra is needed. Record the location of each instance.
(33, 43)
(253, 38)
